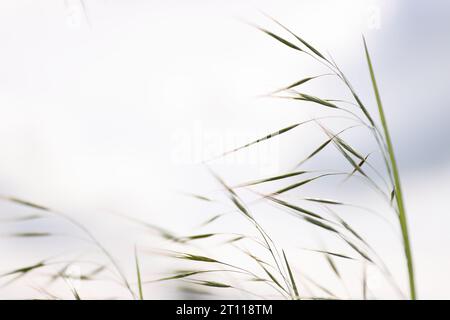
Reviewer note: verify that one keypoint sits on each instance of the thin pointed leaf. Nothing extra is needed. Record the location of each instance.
(317, 100)
(29, 234)
(138, 273)
(339, 255)
(301, 183)
(355, 96)
(332, 265)
(197, 196)
(320, 148)
(357, 249)
(341, 149)
(197, 237)
(272, 277)
(321, 224)
(310, 47)
(75, 293)
(347, 147)
(27, 203)
(23, 218)
(211, 220)
(360, 164)
(295, 208)
(323, 145)
(274, 178)
(297, 83)
(179, 276)
(269, 136)
(280, 39)
(324, 201)
(235, 239)
(364, 282)
(24, 270)
(213, 284)
(193, 257)
(291, 276)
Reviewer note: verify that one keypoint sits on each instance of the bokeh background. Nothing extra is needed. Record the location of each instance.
(109, 107)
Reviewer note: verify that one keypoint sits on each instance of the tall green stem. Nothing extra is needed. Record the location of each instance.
(398, 189)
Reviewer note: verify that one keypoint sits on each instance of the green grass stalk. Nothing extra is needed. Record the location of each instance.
(397, 184)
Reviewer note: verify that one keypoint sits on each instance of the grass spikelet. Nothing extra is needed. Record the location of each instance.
(398, 189)
(280, 39)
